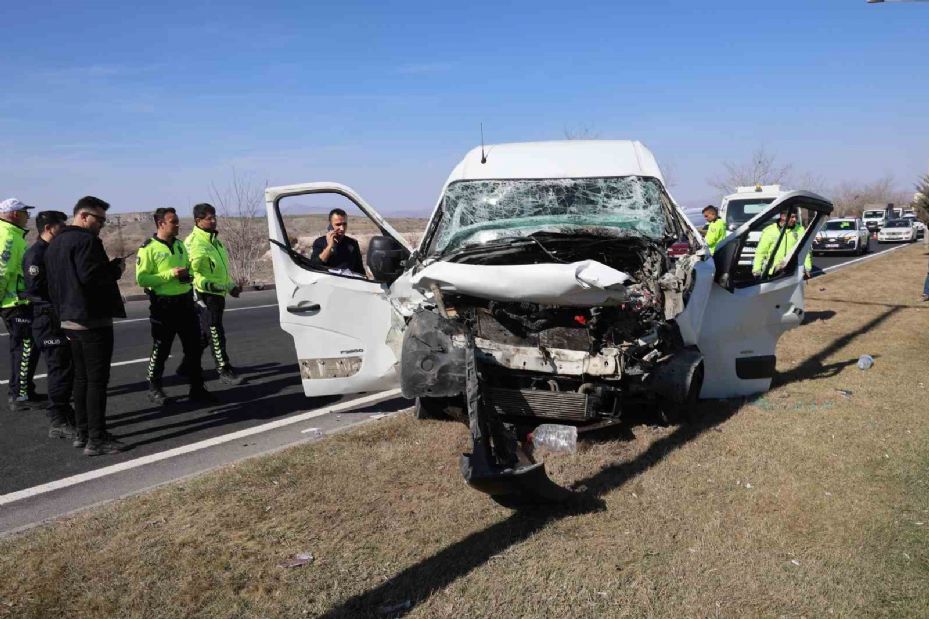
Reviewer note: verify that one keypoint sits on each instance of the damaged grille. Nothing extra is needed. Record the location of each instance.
(567, 406)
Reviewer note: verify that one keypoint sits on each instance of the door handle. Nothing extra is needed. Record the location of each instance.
(303, 308)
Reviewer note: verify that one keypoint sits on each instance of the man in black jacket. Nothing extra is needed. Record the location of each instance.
(82, 284)
(46, 331)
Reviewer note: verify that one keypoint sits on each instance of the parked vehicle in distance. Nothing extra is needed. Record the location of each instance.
(897, 231)
(847, 234)
(874, 219)
(920, 226)
(557, 283)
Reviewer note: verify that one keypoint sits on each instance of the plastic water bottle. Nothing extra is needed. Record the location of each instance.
(865, 362)
(555, 437)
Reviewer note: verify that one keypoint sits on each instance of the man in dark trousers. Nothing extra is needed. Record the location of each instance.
(17, 315)
(82, 284)
(337, 251)
(209, 265)
(163, 270)
(46, 329)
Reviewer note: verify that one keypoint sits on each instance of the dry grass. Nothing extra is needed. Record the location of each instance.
(805, 502)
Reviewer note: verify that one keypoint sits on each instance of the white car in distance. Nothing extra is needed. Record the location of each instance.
(543, 291)
(897, 231)
(920, 226)
(848, 235)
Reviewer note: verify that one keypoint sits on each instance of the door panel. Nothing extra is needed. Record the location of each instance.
(342, 326)
(747, 314)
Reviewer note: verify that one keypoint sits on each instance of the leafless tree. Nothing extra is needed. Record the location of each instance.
(851, 197)
(581, 132)
(762, 168)
(669, 172)
(242, 227)
(921, 199)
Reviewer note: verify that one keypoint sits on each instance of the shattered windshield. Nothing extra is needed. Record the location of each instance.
(482, 211)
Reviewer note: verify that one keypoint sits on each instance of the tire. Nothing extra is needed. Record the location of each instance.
(671, 413)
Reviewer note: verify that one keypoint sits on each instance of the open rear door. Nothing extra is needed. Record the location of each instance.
(342, 326)
(747, 313)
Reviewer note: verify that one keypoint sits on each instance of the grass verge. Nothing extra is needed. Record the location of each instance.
(812, 500)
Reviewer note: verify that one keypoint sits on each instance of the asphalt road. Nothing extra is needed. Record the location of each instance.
(827, 260)
(258, 347)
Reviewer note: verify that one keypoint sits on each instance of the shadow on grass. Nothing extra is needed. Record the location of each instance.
(417, 582)
(813, 367)
(400, 594)
(816, 316)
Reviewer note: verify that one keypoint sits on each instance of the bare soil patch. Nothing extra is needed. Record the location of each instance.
(812, 500)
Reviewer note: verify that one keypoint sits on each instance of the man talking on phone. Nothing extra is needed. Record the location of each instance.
(336, 251)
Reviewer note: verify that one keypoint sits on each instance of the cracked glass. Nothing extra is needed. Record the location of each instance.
(482, 211)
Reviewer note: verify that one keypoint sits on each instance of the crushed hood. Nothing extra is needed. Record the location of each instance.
(587, 283)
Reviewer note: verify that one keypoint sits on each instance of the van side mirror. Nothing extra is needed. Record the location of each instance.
(385, 258)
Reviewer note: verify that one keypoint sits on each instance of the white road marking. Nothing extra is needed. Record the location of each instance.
(19, 495)
(868, 257)
(230, 309)
(112, 365)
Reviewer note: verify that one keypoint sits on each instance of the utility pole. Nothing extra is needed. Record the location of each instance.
(120, 244)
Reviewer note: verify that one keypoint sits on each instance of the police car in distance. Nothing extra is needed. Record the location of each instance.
(897, 231)
(847, 234)
(741, 206)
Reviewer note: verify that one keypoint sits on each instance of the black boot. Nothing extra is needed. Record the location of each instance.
(155, 393)
(228, 376)
(62, 430)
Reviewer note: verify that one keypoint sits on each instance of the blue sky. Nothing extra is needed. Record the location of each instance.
(146, 105)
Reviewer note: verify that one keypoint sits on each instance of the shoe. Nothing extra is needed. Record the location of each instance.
(22, 403)
(925, 297)
(200, 394)
(108, 445)
(156, 395)
(227, 376)
(38, 397)
(62, 430)
(80, 440)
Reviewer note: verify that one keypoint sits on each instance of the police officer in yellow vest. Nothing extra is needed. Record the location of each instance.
(793, 232)
(715, 227)
(17, 313)
(163, 270)
(209, 264)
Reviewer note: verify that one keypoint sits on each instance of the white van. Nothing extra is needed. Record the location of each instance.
(874, 219)
(741, 206)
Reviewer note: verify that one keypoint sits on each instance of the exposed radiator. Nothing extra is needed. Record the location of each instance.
(535, 403)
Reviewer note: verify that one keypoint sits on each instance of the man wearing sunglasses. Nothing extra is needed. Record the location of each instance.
(83, 287)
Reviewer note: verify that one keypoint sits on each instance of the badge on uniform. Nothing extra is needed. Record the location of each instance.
(34, 270)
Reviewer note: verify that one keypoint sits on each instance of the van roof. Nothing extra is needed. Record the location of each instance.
(558, 159)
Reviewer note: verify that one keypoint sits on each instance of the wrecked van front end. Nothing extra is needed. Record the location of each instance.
(558, 285)
(549, 301)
